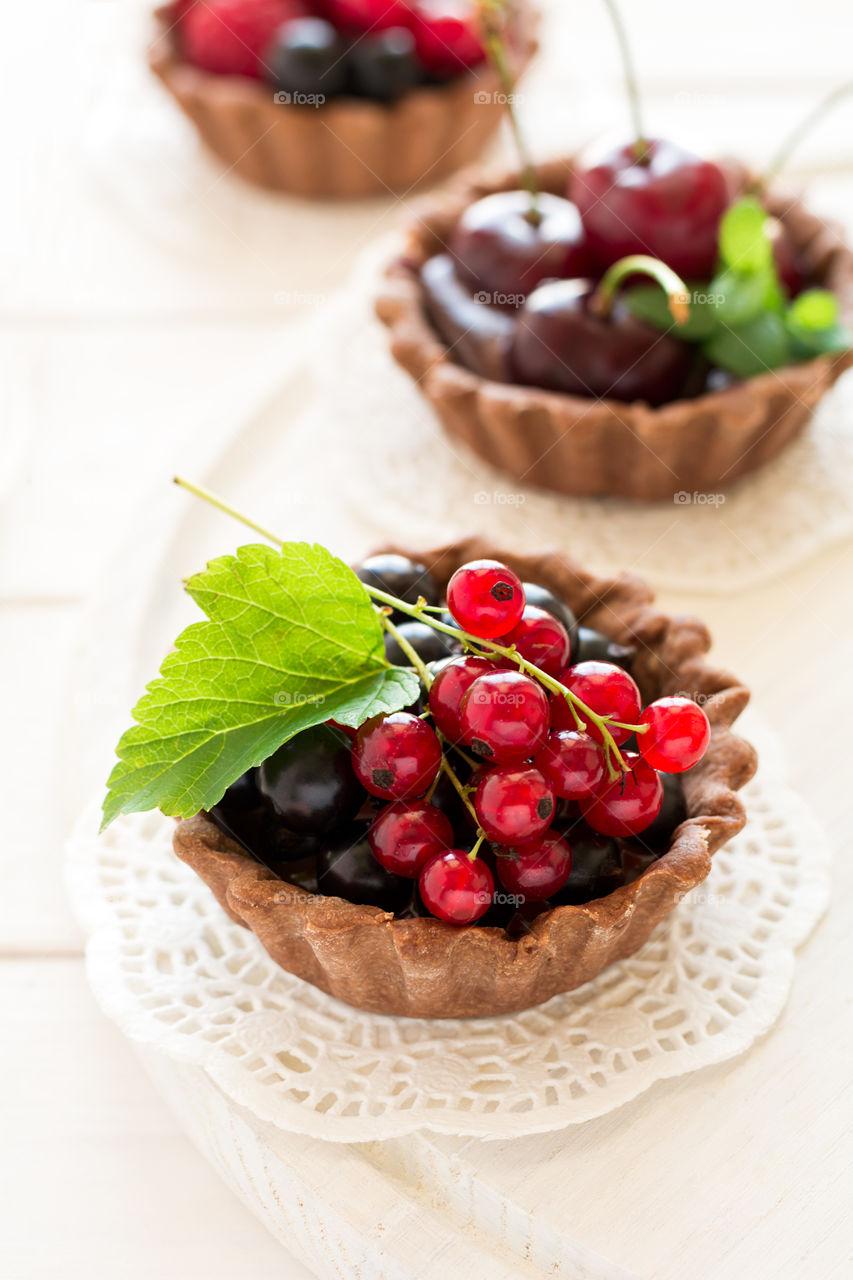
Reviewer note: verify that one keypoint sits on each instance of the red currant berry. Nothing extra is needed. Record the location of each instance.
(449, 688)
(605, 689)
(541, 639)
(367, 15)
(628, 804)
(574, 763)
(485, 598)
(396, 757)
(407, 834)
(447, 36)
(505, 717)
(455, 888)
(536, 870)
(677, 736)
(514, 804)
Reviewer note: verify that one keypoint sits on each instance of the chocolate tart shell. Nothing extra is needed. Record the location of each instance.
(348, 147)
(425, 968)
(588, 447)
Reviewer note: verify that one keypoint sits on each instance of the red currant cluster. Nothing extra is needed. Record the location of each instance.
(531, 730)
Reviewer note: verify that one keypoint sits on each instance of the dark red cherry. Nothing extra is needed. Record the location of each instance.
(655, 198)
(499, 247)
(477, 334)
(563, 344)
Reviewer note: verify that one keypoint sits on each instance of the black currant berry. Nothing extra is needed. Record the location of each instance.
(308, 57)
(656, 837)
(428, 644)
(596, 867)
(594, 646)
(347, 869)
(542, 598)
(400, 577)
(384, 66)
(309, 782)
(242, 796)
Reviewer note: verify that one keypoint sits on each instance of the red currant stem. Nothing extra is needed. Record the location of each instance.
(414, 611)
(408, 649)
(447, 767)
(429, 795)
(641, 144)
(492, 21)
(473, 854)
(801, 131)
(677, 295)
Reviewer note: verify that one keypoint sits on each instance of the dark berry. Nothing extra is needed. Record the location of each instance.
(596, 867)
(396, 756)
(346, 868)
(658, 835)
(505, 717)
(428, 644)
(383, 65)
(595, 646)
(485, 598)
(455, 888)
(398, 576)
(242, 795)
(308, 57)
(309, 782)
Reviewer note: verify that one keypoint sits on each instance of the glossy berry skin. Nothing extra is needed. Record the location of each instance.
(605, 689)
(562, 343)
(384, 65)
(595, 646)
(308, 56)
(597, 867)
(398, 576)
(514, 804)
(573, 762)
(346, 868)
(406, 834)
(428, 644)
(366, 15)
(542, 598)
(677, 736)
(449, 688)
(500, 250)
(396, 757)
(447, 36)
(627, 805)
(309, 782)
(668, 205)
(485, 598)
(231, 37)
(657, 837)
(541, 639)
(537, 870)
(505, 717)
(456, 889)
(242, 796)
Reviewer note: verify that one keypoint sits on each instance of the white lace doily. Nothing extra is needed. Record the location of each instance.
(175, 974)
(401, 471)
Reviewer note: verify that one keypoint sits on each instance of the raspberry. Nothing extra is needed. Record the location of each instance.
(230, 37)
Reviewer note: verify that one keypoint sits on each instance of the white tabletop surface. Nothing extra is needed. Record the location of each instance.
(140, 300)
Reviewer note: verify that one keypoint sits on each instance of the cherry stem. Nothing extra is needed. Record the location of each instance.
(470, 642)
(801, 131)
(641, 143)
(677, 295)
(492, 20)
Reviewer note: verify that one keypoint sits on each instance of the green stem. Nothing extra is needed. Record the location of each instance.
(492, 19)
(447, 767)
(641, 143)
(409, 650)
(676, 291)
(802, 130)
(473, 854)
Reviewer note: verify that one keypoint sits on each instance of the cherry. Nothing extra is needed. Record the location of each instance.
(629, 803)
(485, 598)
(605, 689)
(541, 639)
(596, 646)
(396, 756)
(428, 644)
(447, 36)
(367, 15)
(398, 576)
(478, 334)
(455, 888)
(514, 804)
(542, 598)
(573, 761)
(309, 782)
(562, 343)
(308, 56)
(501, 247)
(449, 688)
(537, 870)
(407, 834)
(653, 197)
(504, 717)
(677, 736)
(347, 869)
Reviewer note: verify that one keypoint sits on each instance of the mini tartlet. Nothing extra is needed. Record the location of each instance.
(426, 968)
(589, 447)
(349, 147)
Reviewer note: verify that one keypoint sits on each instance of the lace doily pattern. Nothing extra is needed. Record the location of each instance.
(175, 974)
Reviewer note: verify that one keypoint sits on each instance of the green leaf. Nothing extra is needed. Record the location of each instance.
(291, 640)
(744, 240)
(648, 303)
(740, 298)
(756, 347)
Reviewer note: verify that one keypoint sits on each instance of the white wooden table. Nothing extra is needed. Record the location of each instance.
(126, 287)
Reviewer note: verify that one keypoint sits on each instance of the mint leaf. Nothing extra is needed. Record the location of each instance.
(744, 241)
(756, 347)
(813, 310)
(291, 640)
(649, 304)
(740, 298)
